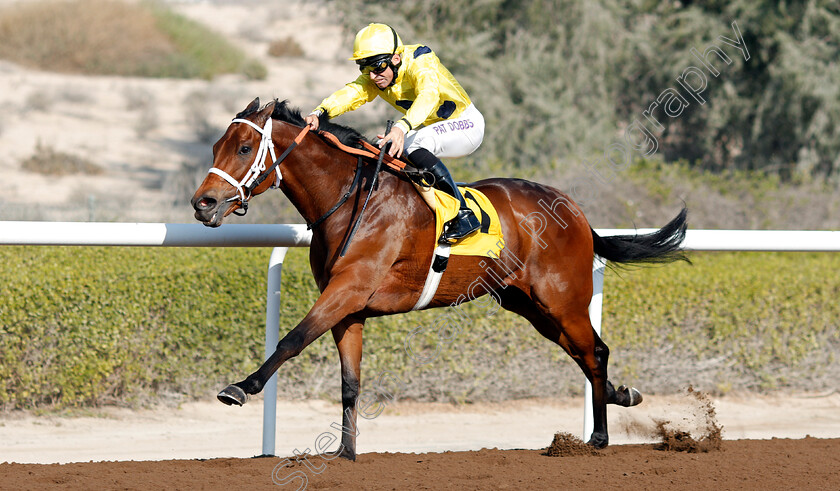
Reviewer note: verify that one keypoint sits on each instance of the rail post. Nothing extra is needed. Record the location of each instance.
(598, 266)
(272, 337)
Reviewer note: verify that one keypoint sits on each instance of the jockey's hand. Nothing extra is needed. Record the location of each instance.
(397, 139)
(313, 121)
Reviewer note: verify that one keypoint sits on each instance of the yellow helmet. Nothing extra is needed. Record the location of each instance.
(376, 39)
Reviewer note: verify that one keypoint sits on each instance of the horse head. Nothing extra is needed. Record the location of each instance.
(245, 164)
(240, 158)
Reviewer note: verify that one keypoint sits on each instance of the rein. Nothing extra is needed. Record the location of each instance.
(373, 184)
(356, 179)
(369, 151)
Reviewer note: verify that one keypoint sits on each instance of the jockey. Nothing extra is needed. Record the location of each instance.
(440, 120)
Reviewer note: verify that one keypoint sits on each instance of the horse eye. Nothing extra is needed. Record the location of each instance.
(244, 150)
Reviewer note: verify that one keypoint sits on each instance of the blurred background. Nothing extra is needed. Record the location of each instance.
(110, 108)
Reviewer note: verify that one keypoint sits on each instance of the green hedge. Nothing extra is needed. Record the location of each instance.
(753, 320)
(129, 326)
(91, 325)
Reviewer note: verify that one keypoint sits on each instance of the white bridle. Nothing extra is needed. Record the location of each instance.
(266, 148)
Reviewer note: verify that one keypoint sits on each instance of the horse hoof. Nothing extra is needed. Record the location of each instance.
(233, 394)
(348, 454)
(631, 396)
(598, 442)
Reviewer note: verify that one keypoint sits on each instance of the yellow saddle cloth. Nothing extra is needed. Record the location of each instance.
(488, 239)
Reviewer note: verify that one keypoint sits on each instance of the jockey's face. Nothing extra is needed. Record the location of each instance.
(384, 79)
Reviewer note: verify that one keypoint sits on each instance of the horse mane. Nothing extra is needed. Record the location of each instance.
(283, 112)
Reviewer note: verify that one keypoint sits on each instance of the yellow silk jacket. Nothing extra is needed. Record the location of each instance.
(424, 91)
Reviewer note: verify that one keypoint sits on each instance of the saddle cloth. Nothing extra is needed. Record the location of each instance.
(488, 239)
(487, 242)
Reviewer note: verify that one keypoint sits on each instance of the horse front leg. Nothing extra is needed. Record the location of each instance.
(348, 339)
(342, 298)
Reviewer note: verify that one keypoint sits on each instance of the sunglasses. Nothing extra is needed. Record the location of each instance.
(376, 67)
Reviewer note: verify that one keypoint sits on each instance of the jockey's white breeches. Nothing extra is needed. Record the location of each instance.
(454, 137)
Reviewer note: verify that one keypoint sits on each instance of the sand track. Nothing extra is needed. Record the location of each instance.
(809, 463)
(209, 430)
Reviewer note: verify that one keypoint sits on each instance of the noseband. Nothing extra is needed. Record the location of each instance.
(258, 172)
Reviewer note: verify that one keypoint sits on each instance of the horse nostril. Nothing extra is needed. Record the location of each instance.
(204, 203)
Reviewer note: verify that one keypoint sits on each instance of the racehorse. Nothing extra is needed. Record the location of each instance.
(384, 268)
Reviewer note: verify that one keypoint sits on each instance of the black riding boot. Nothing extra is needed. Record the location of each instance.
(465, 222)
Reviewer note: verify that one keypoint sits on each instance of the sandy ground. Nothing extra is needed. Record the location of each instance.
(211, 430)
(804, 464)
(142, 131)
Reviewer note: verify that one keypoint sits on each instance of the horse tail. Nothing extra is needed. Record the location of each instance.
(662, 246)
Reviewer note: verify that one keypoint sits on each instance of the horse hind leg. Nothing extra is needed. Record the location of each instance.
(574, 333)
(576, 336)
(582, 343)
(623, 396)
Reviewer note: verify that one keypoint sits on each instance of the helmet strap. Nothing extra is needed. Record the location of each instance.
(395, 69)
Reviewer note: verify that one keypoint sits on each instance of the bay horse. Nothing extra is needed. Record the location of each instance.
(386, 265)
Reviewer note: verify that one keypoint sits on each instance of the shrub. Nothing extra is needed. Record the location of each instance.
(202, 51)
(51, 162)
(116, 38)
(756, 321)
(287, 47)
(89, 326)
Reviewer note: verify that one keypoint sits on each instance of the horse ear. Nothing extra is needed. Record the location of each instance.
(266, 112)
(253, 107)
